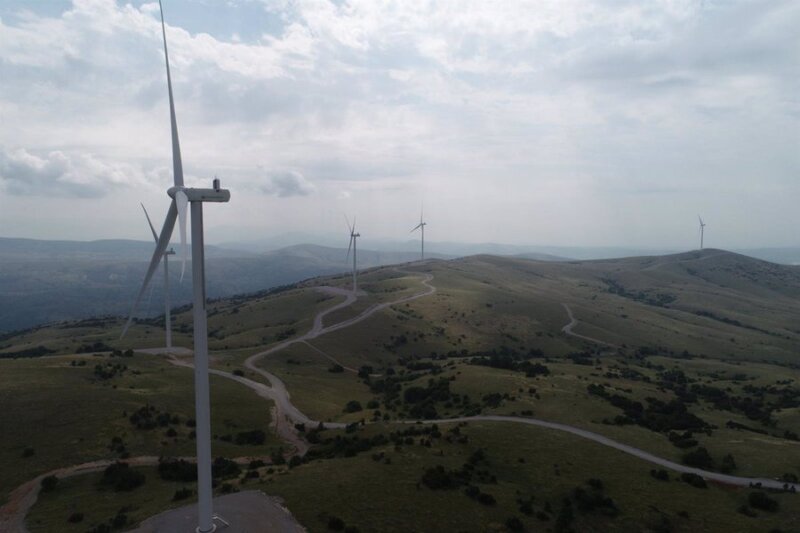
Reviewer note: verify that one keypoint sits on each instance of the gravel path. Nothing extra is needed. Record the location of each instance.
(574, 322)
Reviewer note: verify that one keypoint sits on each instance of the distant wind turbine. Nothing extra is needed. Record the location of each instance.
(181, 198)
(167, 311)
(353, 237)
(702, 231)
(421, 226)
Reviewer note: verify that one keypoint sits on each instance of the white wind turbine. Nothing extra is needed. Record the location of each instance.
(167, 310)
(702, 231)
(353, 237)
(181, 198)
(421, 226)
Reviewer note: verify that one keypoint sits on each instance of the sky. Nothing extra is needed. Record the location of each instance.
(548, 122)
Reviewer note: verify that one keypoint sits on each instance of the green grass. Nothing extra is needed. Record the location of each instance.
(68, 419)
(83, 494)
(374, 496)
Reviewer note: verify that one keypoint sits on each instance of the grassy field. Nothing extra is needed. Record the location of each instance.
(685, 328)
(66, 415)
(382, 489)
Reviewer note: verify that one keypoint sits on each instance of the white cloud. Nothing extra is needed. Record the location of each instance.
(287, 184)
(565, 101)
(63, 174)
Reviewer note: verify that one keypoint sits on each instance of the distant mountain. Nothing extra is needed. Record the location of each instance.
(102, 250)
(48, 281)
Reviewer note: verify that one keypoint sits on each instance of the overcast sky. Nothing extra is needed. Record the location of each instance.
(564, 122)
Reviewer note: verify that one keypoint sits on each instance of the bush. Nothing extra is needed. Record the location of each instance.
(353, 406)
(49, 483)
(177, 470)
(694, 480)
(74, 518)
(255, 437)
(225, 468)
(119, 521)
(335, 523)
(121, 477)
(660, 474)
(699, 458)
(181, 494)
(515, 524)
(28, 452)
(760, 500)
(484, 498)
(336, 368)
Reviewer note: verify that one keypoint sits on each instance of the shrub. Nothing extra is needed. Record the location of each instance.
(694, 480)
(121, 477)
(699, 458)
(74, 518)
(660, 474)
(353, 406)
(484, 498)
(225, 468)
(28, 452)
(514, 524)
(760, 500)
(254, 437)
(335, 523)
(177, 470)
(181, 494)
(49, 483)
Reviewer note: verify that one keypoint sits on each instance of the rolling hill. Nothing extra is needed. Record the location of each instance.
(689, 360)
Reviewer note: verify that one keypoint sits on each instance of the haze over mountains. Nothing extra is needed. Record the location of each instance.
(47, 281)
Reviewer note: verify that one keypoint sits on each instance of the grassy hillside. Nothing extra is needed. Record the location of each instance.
(694, 359)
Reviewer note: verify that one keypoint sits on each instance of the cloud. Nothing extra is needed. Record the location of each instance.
(287, 184)
(552, 102)
(60, 174)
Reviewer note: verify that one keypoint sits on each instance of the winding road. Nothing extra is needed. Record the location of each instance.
(574, 322)
(13, 513)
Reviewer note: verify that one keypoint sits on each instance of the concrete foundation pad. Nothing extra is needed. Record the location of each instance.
(247, 512)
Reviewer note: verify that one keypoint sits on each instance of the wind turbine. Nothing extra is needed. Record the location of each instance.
(167, 311)
(353, 237)
(421, 226)
(181, 198)
(702, 231)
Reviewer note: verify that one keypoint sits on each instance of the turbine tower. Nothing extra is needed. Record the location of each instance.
(167, 310)
(421, 226)
(702, 231)
(353, 237)
(181, 198)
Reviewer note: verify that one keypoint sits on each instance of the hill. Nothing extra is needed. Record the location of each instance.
(549, 390)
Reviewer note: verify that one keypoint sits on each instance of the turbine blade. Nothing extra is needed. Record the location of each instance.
(158, 253)
(177, 165)
(182, 202)
(416, 227)
(155, 235)
(350, 245)
(347, 221)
